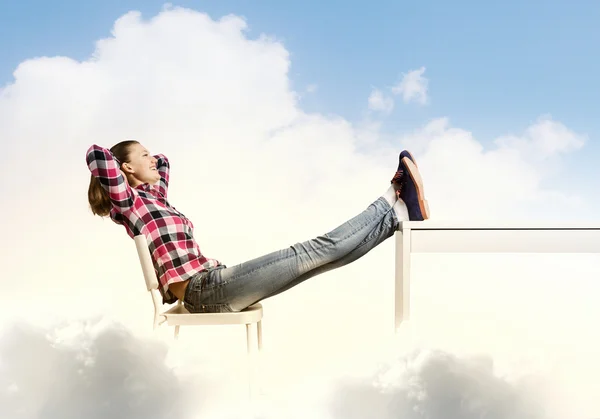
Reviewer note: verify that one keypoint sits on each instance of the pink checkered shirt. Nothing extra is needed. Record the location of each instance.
(145, 210)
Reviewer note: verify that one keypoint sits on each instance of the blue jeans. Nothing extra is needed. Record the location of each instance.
(230, 289)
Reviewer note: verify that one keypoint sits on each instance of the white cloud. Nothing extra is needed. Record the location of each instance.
(545, 138)
(505, 182)
(312, 88)
(252, 170)
(102, 371)
(438, 385)
(379, 102)
(98, 369)
(413, 86)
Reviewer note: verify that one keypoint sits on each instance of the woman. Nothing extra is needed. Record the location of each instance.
(131, 186)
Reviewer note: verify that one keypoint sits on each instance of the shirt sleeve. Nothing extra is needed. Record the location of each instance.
(163, 168)
(106, 168)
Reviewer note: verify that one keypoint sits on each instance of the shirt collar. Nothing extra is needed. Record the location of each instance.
(144, 186)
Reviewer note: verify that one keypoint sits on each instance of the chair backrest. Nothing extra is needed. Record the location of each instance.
(141, 244)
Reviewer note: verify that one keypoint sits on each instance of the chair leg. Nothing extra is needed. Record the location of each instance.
(248, 338)
(249, 364)
(177, 332)
(259, 334)
(259, 355)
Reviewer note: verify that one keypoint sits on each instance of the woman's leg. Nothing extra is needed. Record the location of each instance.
(237, 287)
(378, 235)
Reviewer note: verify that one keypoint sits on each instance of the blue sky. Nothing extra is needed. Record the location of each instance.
(493, 68)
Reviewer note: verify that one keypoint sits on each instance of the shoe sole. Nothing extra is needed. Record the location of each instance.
(412, 158)
(413, 172)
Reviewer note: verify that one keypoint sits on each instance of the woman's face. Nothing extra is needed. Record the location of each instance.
(141, 167)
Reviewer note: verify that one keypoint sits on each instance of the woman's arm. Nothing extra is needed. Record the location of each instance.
(106, 168)
(163, 169)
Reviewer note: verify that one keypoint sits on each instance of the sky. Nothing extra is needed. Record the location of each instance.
(280, 123)
(494, 68)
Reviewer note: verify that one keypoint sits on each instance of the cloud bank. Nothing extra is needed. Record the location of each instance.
(97, 369)
(437, 385)
(85, 370)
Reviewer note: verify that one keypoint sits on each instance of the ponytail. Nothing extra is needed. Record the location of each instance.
(98, 198)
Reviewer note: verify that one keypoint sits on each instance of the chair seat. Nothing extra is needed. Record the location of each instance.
(178, 315)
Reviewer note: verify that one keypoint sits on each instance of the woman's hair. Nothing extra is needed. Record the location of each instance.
(97, 196)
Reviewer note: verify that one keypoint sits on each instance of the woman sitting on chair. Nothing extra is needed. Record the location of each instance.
(131, 186)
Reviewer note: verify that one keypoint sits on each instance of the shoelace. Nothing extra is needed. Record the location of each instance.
(398, 177)
(398, 180)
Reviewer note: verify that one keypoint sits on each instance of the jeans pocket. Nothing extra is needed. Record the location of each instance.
(205, 295)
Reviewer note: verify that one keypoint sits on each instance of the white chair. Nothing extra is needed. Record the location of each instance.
(178, 315)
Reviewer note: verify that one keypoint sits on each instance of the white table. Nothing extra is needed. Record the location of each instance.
(438, 237)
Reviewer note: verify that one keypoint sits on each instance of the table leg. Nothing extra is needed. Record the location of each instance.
(402, 280)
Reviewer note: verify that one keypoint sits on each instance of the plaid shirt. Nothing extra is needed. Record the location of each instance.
(145, 210)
